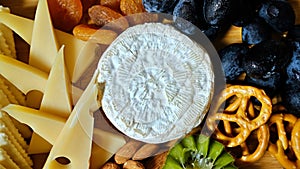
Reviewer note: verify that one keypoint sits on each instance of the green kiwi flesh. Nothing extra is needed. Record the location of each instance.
(198, 152)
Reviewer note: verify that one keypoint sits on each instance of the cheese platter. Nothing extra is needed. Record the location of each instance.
(28, 9)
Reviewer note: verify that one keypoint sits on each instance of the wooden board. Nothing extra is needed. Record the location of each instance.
(27, 8)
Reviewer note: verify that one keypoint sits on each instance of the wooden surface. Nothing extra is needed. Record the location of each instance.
(26, 8)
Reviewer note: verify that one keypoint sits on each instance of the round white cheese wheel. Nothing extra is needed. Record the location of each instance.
(158, 83)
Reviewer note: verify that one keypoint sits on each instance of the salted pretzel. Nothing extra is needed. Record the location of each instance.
(251, 155)
(240, 115)
(286, 150)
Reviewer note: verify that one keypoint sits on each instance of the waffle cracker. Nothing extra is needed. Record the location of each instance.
(12, 151)
(7, 43)
(6, 162)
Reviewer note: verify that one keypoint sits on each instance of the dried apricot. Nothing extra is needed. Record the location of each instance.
(113, 4)
(84, 31)
(101, 15)
(65, 14)
(131, 6)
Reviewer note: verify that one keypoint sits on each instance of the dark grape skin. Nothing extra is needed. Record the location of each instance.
(293, 67)
(186, 10)
(270, 85)
(294, 33)
(278, 14)
(159, 6)
(256, 31)
(291, 98)
(244, 12)
(218, 12)
(231, 58)
(267, 57)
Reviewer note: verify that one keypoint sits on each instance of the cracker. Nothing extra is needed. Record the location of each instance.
(4, 48)
(12, 151)
(11, 98)
(7, 42)
(6, 161)
(7, 121)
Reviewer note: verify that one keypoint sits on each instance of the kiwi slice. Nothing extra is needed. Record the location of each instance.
(198, 152)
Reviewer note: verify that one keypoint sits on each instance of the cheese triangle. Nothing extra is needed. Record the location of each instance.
(57, 94)
(38, 120)
(29, 78)
(79, 129)
(43, 46)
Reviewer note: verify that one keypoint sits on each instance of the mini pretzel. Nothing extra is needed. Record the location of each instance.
(263, 138)
(296, 139)
(241, 111)
(285, 148)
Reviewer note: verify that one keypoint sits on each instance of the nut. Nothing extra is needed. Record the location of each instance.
(131, 164)
(110, 165)
(127, 151)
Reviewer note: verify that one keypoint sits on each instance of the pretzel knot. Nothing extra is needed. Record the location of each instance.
(246, 109)
(250, 155)
(285, 144)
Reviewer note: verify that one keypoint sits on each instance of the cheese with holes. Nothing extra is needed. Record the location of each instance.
(158, 83)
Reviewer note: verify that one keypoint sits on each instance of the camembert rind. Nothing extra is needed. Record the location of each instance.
(158, 83)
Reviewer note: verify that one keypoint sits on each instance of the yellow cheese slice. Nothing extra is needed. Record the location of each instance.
(76, 136)
(41, 122)
(43, 48)
(57, 99)
(41, 145)
(23, 27)
(28, 78)
(20, 25)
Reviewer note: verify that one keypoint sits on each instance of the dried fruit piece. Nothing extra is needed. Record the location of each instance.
(131, 6)
(101, 36)
(83, 31)
(102, 15)
(65, 14)
(113, 4)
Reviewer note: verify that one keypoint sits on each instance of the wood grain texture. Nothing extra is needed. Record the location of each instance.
(26, 8)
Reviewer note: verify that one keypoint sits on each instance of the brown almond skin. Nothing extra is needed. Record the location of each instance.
(157, 162)
(131, 164)
(127, 151)
(146, 151)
